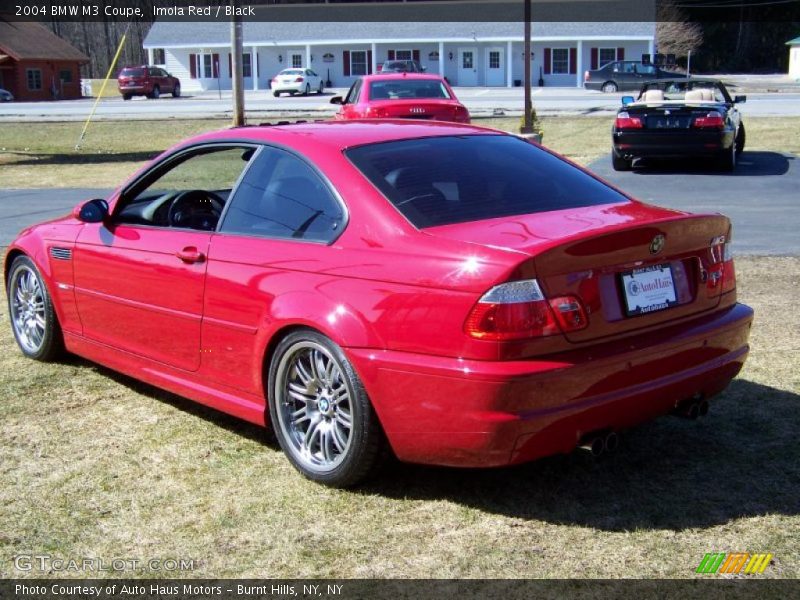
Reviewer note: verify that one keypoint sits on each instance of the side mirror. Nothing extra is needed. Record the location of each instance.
(740, 99)
(627, 100)
(93, 211)
(337, 100)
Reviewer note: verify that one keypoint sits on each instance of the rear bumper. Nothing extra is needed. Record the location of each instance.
(672, 144)
(467, 413)
(136, 89)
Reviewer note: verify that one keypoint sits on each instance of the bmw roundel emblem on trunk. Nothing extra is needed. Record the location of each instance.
(657, 245)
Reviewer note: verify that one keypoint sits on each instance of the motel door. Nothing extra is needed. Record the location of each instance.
(495, 71)
(467, 66)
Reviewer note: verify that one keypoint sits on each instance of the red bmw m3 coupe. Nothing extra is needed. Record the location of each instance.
(451, 294)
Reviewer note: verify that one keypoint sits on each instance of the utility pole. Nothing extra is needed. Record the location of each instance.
(236, 67)
(527, 126)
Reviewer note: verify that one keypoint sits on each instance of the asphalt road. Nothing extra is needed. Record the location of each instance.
(479, 101)
(761, 198)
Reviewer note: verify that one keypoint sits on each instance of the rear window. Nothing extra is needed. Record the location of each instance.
(398, 89)
(445, 180)
(293, 72)
(132, 73)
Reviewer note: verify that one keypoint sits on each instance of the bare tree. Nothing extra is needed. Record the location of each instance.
(675, 34)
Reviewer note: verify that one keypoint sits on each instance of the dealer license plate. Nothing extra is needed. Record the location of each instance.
(649, 289)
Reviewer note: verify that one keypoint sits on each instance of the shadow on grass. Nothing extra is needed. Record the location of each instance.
(742, 460)
(78, 158)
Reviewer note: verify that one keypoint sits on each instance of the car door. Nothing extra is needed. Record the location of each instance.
(140, 274)
(313, 78)
(274, 234)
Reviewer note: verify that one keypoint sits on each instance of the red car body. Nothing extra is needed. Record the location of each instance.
(372, 97)
(200, 312)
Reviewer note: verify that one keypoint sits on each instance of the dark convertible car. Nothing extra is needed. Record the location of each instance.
(679, 118)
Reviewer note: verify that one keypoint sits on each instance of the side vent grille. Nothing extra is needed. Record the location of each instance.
(61, 253)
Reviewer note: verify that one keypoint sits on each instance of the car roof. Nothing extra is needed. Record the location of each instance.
(389, 76)
(342, 134)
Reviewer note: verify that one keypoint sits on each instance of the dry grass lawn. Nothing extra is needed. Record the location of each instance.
(95, 464)
(113, 150)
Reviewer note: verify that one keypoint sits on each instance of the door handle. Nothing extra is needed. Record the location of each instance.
(190, 254)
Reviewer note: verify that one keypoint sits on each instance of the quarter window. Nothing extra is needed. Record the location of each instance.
(34, 79)
(282, 197)
(560, 60)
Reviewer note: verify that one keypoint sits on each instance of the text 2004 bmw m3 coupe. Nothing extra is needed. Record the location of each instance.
(453, 294)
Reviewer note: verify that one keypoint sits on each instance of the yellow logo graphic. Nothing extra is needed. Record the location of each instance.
(736, 562)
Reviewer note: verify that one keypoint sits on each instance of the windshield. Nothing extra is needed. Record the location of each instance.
(444, 180)
(398, 89)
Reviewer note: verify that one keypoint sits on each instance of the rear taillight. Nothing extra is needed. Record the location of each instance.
(299, 80)
(586, 76)
(721, 271)
(518, 310)
(625, 121)
(376, 112)
(712, 120)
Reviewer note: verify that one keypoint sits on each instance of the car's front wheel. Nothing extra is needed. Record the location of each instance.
(740, 139)
(308, 90)
(276, 94)
(156, 93)
(33, 317)
(610, 87)
(320, 411)
(176, 91)
(321, 88)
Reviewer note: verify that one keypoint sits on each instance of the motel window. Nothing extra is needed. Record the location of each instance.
(297, 61)
(560, 60)
(607, 55)
(34, 79)
(158, 56)
(358, 62)
(206, 70)
(403, 55)
(247, 65)
(494, 59)
(65, 75)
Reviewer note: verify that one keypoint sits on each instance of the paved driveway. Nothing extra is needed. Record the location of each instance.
(762, 197)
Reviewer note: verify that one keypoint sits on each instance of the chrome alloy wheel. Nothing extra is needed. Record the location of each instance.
(28, 314)
(314, 406)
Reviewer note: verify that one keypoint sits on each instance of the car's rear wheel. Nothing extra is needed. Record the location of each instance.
(609, 87)
(320, 411)
(321, 88)
(740, 139)
(126, 96)
(176, 91)
(276, 94)
(30, 307)
(308, 89)
(727, 162)
(619, 163)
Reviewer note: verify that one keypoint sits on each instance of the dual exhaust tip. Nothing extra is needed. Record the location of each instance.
(600, 443)
(692, 409)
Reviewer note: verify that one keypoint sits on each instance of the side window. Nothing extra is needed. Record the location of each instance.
(628, 67)
(646, 69)
(282, 197)
(352, 95)
(189, 194)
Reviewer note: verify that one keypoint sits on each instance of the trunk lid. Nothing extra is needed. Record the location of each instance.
(673, 117)
(594, 253)
(423, 108)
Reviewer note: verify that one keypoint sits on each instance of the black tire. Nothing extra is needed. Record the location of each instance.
(126, 96)
(276, 94)
(619, 163)
(321, 89)
(609, 87)
(307, 360)
(727, 161)
(308, 90)
(741, 137)
(156, 93)
(50, 344)
(176, 91)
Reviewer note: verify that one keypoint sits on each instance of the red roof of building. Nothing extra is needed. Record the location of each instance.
(27, 40)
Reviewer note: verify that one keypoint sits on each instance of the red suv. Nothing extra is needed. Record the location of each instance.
(147, 81)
